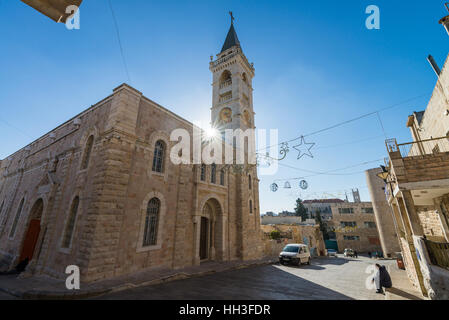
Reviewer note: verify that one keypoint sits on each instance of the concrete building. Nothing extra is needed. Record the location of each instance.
(322, 206)
(355, 226)
(418, 192)
(383, 214)
(100, 191)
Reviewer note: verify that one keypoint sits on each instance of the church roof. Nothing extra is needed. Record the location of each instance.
(231, 39)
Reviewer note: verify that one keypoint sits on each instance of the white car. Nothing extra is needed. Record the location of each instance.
(331, 253)
(295, 254)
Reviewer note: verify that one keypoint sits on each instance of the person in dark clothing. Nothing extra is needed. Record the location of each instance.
(355, 254)
(22, 265)
(369, 254)
(382, 279)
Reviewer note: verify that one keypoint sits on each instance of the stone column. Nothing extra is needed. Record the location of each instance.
(196, 239)
(402, 205)
(412, 215)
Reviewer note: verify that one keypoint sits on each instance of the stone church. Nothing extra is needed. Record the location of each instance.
(101, 192)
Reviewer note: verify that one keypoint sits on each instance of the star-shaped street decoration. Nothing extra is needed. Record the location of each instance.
(304, 148)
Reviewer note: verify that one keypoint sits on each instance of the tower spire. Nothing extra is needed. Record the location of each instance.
(231, 39)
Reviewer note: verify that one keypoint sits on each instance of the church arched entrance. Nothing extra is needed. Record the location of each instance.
(211, 245)
(32, 233)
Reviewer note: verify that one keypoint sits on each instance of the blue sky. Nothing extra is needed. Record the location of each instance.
(316, 65)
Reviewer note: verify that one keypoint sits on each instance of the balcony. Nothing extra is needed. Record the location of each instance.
(420, 165)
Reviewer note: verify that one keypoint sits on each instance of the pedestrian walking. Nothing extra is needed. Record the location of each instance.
(382, 279)
(369, 254)
(355, 254)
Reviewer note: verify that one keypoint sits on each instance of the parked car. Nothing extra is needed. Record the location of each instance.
(295, 254)
(331, 253)
(348, 253)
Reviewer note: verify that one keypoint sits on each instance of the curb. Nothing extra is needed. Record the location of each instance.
(46, 295)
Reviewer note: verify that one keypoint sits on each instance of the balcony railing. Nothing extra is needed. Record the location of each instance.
(418, 148)
(438, 253)
(226, 83)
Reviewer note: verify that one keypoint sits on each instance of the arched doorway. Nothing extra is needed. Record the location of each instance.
(211, 244)
(32, 234)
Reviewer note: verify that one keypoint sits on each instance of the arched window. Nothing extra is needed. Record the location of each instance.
(213, 173)
(151, 222)
(158, 159)
(222, 177)
(225, 79)
(16, 219)
(70, 224)
(203, 172)
(250, 183)
(87, 152)
(250, 206)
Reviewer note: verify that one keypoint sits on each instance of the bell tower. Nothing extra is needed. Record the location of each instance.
(232, 96)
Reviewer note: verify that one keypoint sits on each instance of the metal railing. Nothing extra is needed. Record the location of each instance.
(419, 148)
(438, 253)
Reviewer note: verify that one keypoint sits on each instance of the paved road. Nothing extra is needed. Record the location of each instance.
(5, 296)
(327, 278)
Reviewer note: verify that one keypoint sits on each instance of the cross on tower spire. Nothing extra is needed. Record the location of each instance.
(232, 17)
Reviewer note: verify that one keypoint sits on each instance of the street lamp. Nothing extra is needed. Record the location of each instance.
(445, 21)
(384, 174)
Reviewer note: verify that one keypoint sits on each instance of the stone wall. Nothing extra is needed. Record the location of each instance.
(310, 235)
(383, 213)
(431, 223)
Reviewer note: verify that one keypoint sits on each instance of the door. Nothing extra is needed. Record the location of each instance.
(29, 244)
(204, 238)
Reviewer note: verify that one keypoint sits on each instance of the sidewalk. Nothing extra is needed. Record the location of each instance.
(43, 287)
(402, 287)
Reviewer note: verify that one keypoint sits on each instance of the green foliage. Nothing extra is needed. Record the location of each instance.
(275, 235)
(300, 210)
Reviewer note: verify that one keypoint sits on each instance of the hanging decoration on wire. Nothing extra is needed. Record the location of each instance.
(303, 184)
(274, 187)
(287, 185)
(304, 148)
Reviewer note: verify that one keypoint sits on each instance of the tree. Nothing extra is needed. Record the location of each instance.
(323, 226)
(300, 210)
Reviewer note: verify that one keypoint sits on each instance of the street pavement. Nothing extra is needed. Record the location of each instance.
(329, 278)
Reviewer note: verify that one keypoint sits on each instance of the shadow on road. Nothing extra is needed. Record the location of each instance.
(403, 294)
(258, 283)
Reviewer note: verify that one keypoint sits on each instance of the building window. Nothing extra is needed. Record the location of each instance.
(213, 173)
(87, 153)
(203, 172)
(351, 224)
(222, 177)
(250, 183)
(16, 219)
(367, 210)
(351, 238)
(158, 159)
(70, 225)
(370, 225)
(151, 222)
(345, 210)
(250, 206)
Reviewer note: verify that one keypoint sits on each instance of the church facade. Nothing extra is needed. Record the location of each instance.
(100, 191)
